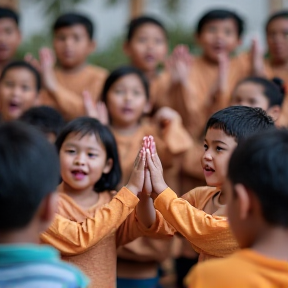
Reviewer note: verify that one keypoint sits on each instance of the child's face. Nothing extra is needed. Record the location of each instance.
(126, 101)
(82, 161)
(147, 48)
(218, 149)
(277, 39)
(18, 93)
(218, 37)
(72, 45)
(10, 39)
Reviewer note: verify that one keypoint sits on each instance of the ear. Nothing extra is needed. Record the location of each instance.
(93, 46)
(244, 200)
(108, 166)
(274, 112)
(126, 48)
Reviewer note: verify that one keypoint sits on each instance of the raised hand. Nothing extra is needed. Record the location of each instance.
(165, 115)
(33, 61)
(257, 59)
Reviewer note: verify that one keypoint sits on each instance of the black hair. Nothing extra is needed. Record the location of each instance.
(87, 126)
(221, 14)
(6, 12)
(23, 64)
(277, 15)
(240, 121)
(260, 164)
(121, 72)
(71, 19)
(142, 20)
(29, 171)
(273, 90)
(46, 119)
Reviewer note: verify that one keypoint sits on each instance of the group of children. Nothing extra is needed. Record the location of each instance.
(118, 172)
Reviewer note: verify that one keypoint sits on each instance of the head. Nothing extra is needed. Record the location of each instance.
(29, 174)
(224, 130)
(146, 43)
(257, 186)
(88, 156)
(73, 39)
(20, 84)
(10, 36)
(277, 36)
(219, 32)
(262, 93)
(46, 119)
(126, 95)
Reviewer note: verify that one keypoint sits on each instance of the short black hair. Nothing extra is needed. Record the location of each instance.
(23, 64)
(240, 121)
(221, 14)
(29, 171)
(260, 164)
(121, 72)
(90, 126)
(44, 118)
(275, 16)
(142, 20)
(71, 19)
(273, 90)
(6, 12)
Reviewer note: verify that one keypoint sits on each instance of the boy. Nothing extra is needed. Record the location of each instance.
(20, 84)
(29, 174)
(64, 84)
(46, 119)
(207, 228)
(10, 36)
(257, 198)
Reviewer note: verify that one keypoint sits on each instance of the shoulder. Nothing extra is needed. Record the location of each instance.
(200, 193)
(96, 71)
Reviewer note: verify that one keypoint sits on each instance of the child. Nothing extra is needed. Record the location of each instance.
(46, 119)
(87, 229)
(257, 200)
(10, 36)
(262, 93)
(207, 230)
(20, 84)
(29, 173)
(64, 84)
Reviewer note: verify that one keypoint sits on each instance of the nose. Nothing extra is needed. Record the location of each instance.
(207, 156)
(79, 159)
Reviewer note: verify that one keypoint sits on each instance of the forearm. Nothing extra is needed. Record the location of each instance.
(145, 211)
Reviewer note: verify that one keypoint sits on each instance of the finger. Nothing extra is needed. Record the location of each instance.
(138, 158)
(149, 160)
(141, 163)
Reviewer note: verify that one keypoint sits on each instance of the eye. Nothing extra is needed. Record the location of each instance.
(205, 147)
(119, 91)
(218, 148)
(228, 32)
(70, 151)
(92, 155)
(142, 39)
(25, 88)
(9, 84)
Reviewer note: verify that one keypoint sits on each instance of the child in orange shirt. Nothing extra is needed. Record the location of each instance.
(257, 199)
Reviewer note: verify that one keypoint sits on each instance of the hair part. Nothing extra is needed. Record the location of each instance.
(6, 12)
(283, 14)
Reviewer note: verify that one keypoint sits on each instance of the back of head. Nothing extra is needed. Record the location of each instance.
(29, 171)
(283, 14)
(260, 164)
(240, 121)
(220, 14)
(142, 20)
(9, 13)
(71, 19)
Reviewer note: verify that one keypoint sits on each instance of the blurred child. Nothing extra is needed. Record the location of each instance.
(87, 229)
(10, 36)
(257, 199)
(46, 119)
(65, 83)
(29, 173)
(262, 93)
(20, 84)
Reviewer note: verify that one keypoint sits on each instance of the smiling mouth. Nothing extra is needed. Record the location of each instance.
(209, 169)
(79, 174)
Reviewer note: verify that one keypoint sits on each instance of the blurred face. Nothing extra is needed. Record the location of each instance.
(218, 149)
(147, 48)
(18, 93)
(72, 45)
(10, 39)
(82, 160)
(218, 37)
(126, 101)
(277, 40)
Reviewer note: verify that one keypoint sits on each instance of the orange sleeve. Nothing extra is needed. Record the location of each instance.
(71, 237)
(208, 233)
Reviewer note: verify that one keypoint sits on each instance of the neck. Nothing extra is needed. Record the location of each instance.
(125, 129)
(3, 64)
(150, 74)
(73, 69)
(210, 61)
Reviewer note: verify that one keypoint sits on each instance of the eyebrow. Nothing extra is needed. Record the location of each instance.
(74, 145)
(216, 141)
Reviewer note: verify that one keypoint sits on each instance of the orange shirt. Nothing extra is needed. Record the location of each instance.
(244, 269)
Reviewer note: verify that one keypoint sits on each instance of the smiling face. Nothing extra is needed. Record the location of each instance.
(218, 149)
(82, 160)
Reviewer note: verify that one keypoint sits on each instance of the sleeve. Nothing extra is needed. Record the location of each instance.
(193, 279)
(71, 237)
(207, 233)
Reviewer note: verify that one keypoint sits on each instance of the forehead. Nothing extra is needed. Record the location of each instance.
(20, 73)
(213, 134)
(8, 22)
(129, 80)
(79, 29)
(88, 140)
(227, 23)
(249, 88)
(149, 29)
(278, 24)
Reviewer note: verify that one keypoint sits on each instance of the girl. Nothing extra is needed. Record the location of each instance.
(90, 172)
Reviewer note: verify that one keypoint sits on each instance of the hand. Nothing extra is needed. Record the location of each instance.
(147, 187)
(165, 115)
(257, 59)
(29, 58)
(95, 110)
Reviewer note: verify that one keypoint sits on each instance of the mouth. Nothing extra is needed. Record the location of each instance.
(149, 58)
(14, 106)
(127, 110)
(208, 171)
(79, 174)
